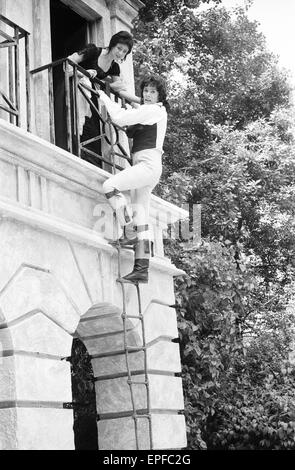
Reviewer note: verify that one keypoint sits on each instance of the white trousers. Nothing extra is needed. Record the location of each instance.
(141, 178)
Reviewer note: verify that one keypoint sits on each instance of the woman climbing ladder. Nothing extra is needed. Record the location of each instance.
(147, 126)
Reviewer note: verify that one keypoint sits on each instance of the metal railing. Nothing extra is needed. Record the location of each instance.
(65, 75)
(105, 146)
(11, 41)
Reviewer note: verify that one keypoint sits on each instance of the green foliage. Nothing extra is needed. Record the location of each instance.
(162, 9)
(82, 379)
(239, 384)
(84, 398)
(218, 71)
(209, 306)
(230, 148)
(243, 188)
(251, 416)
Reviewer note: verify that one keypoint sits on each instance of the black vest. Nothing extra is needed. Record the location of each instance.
(144, 136)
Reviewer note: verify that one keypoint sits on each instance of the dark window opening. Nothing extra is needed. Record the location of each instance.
(68, 30)
(68, 35)
(84, 398)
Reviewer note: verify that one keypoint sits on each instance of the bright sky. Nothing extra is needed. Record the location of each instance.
(277, 22)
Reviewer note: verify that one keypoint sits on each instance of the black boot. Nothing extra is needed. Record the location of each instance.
(141, 263)
(140, 272)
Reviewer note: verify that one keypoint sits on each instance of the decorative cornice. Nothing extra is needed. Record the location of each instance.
(124, 10)
(48, 160)
(45, 159)
(91, 9)
(74, 232)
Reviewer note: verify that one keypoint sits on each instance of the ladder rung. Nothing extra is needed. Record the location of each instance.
(114, 242)
(141, 416)
(135, 348)
(130, 381)
(124, 281)
(120, 247)
(127, 247)
(140, 317)
(136, 382)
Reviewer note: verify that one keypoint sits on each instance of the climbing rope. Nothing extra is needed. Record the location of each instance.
(128, 349)
(136, 414)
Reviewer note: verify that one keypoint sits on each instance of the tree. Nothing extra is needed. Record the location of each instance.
(218, 69)
(160, 10)
(229, 147)
(235, 329)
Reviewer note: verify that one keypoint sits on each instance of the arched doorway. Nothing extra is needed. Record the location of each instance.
(101, 330)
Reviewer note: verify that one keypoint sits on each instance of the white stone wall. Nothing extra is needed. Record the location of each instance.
(57, 280)
(101, 330)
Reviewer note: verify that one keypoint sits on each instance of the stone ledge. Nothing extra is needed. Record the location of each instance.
(74, 232)
(31, 404)
(37, 355)
(27, 148)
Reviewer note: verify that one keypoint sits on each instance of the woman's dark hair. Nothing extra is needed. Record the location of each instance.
(122, 37)
(160, 85)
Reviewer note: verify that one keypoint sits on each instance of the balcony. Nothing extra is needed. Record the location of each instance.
(14, 42)
(64, 111)
(72, 98)
(50, 175)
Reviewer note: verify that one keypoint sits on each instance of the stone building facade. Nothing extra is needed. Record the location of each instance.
(58, 272)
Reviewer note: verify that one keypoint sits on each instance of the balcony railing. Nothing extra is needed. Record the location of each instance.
(10, 42)
(66, 101)
(66, 92)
